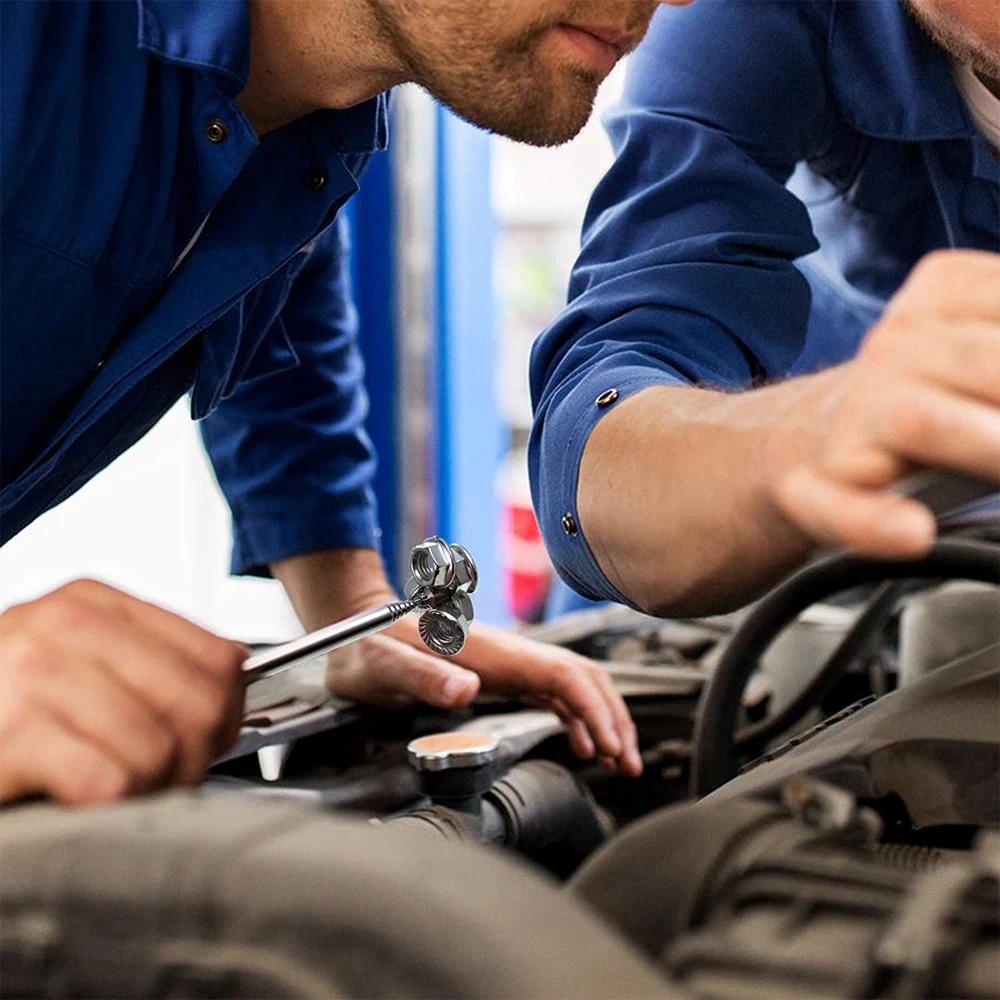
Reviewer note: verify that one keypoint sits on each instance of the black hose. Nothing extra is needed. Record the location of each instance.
(538, 809)
(856, 644)
(714, 758)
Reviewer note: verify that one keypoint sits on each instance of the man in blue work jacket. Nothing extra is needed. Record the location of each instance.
(805, 187)
(171, 175)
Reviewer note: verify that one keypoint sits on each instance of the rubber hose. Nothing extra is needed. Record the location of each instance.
(714, 759)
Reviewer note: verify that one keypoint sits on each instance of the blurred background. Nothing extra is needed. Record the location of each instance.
(462, 247)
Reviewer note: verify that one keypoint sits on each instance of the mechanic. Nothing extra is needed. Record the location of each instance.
(172, 174)
(805, 188)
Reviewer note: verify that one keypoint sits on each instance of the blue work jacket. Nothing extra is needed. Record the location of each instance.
(780, 166)
(152, 245)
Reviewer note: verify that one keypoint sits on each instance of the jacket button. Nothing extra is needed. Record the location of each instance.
(569, 524)
(316, 180)
(217, 131)
(606, 398)
(99, 366)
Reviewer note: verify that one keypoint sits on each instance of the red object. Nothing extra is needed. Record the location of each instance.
(527, 569)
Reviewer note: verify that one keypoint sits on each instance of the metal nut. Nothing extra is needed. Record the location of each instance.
(432, 563)
(445, 627)
(423, 597)
(466, 574)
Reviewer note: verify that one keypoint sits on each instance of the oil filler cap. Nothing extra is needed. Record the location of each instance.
(445, 751)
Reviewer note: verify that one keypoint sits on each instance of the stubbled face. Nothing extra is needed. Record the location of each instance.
(528, 69)
(967, 29)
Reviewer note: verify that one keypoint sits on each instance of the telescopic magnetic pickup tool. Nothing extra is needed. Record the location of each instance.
(442, 578)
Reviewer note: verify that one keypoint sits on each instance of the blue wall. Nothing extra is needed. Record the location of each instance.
(468, 433)
(372, 219)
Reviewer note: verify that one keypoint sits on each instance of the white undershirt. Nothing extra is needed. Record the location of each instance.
(983, 104)
(190, 245)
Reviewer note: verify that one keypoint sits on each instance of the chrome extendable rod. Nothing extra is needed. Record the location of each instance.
(277, 658)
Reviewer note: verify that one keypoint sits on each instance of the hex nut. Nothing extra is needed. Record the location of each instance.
(466, 574)
(432, 563)
(413, 591)
(460, 605)
(445, 627)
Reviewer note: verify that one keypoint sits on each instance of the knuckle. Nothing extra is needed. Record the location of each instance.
(63, 611)
(787, 488)
(910, 425)
(15, 714)
(28, 659)
(206, 709)
(84, 589)
(155, 749)
(979, 356)
(97, 779)
(896, 332)
(939, 266)
(225, 661)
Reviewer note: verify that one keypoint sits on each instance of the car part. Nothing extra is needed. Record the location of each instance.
(929, 752)
(186, 895)
(797, 898)
(538, 809)
(714, 758)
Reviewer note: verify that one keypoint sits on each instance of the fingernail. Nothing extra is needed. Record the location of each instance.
(460, 686)
(920, 525)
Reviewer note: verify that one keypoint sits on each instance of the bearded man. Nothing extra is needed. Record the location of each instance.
(172, 179)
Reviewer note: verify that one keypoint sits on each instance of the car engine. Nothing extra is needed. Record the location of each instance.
(820, 806)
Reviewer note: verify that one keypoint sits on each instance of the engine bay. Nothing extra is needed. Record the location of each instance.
(820, 805)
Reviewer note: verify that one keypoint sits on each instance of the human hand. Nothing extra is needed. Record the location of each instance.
(924, 391)
(396, 668)
(104, 695)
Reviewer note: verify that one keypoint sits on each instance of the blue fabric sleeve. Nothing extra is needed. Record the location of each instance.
(686, 271)
(289, 449)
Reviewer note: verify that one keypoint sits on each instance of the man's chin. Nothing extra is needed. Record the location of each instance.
(542, 133)
(530, 123)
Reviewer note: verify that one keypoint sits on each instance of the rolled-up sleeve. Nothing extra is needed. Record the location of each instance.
(289, 448)
(686, 273)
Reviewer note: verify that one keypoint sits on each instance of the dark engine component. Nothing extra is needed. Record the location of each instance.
(759, 899)
(715, 759)
(538, 809)
(932, 747)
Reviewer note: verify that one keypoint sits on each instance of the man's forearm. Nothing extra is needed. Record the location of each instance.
(331, 584)
(675, 499)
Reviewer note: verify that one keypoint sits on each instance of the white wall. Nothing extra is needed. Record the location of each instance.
(153, 523)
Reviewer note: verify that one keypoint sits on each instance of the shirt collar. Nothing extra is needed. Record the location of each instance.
(361, 129)
(206, 34)
(890, 80)
(215, 35)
